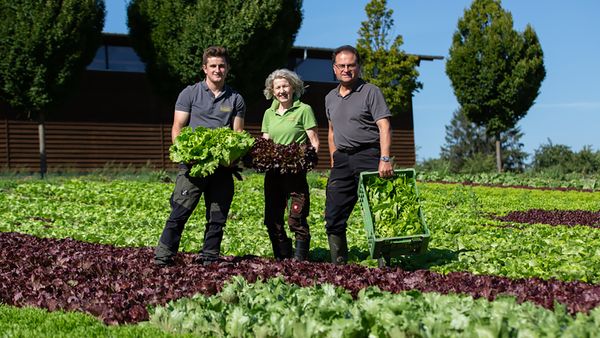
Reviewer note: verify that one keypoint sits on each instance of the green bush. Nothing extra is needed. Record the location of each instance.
(479, 163)
(587, 161)
(438, 165)
(558, 159)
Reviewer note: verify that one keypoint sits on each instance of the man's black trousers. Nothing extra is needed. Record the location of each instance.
(218, 190)
(342, 186)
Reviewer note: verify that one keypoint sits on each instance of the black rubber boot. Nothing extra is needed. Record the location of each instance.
(163, 256)
(338, 248)
(275, 245)
(285, 249)
(302, 248)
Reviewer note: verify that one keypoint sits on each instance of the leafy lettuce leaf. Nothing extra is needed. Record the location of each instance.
(207, 148)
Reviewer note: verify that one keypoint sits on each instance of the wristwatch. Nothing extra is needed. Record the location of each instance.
(385, 158)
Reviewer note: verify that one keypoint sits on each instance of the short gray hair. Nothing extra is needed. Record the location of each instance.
(293, 78)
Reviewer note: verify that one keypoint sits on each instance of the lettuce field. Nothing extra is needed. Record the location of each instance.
(517, 261)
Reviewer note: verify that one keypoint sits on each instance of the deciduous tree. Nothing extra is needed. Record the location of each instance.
(384, 64)
(170, 37)
(45, 46)
(496, 72)
(466, 143)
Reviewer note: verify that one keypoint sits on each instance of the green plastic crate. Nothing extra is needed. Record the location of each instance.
(391, 247)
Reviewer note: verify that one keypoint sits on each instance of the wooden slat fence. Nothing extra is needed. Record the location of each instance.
(82, 146)
(4, 143)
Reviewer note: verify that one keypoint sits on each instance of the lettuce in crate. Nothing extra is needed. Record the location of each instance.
(207, 148)
(394, 206)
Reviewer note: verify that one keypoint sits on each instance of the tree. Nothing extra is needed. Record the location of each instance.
(467, 143)
(464, 139)
(45, 46)
(495, 71)
(170, 37)
(384, 64)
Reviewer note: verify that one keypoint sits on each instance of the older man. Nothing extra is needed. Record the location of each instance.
(359, 140)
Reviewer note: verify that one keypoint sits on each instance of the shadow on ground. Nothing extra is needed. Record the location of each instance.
(433, 257)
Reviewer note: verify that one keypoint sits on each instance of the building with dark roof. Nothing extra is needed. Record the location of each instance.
(114, 117)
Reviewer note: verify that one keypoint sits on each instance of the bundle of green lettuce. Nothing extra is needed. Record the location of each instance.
(207, 148)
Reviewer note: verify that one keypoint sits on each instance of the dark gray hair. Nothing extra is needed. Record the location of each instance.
(346, 48)
(293, 78)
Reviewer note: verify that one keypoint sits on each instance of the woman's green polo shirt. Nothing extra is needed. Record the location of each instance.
(291, 126)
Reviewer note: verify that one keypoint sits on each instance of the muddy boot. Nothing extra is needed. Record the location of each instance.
(302, 248)
(338, 248)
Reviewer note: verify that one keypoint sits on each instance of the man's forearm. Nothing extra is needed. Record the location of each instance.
(385, 136)
(175, 131)
(332, 147)
(238, 124)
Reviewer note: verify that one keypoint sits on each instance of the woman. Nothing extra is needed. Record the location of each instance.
(287, 121)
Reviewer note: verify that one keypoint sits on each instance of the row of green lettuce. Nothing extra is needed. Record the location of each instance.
(40, 323)
(277, 309)
(464, 235)
(572, 180)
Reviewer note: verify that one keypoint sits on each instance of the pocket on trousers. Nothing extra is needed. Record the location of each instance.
(296, 205)
(184, 191)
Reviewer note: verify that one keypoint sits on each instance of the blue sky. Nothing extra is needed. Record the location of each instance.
(567, 111)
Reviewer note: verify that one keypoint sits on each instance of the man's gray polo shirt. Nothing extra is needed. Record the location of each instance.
(207, 110)
(354, 116)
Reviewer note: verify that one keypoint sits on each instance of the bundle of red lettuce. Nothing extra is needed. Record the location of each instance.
(266, 155)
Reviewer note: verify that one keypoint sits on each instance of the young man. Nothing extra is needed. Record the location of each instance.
(359, 140)
(212, 104)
